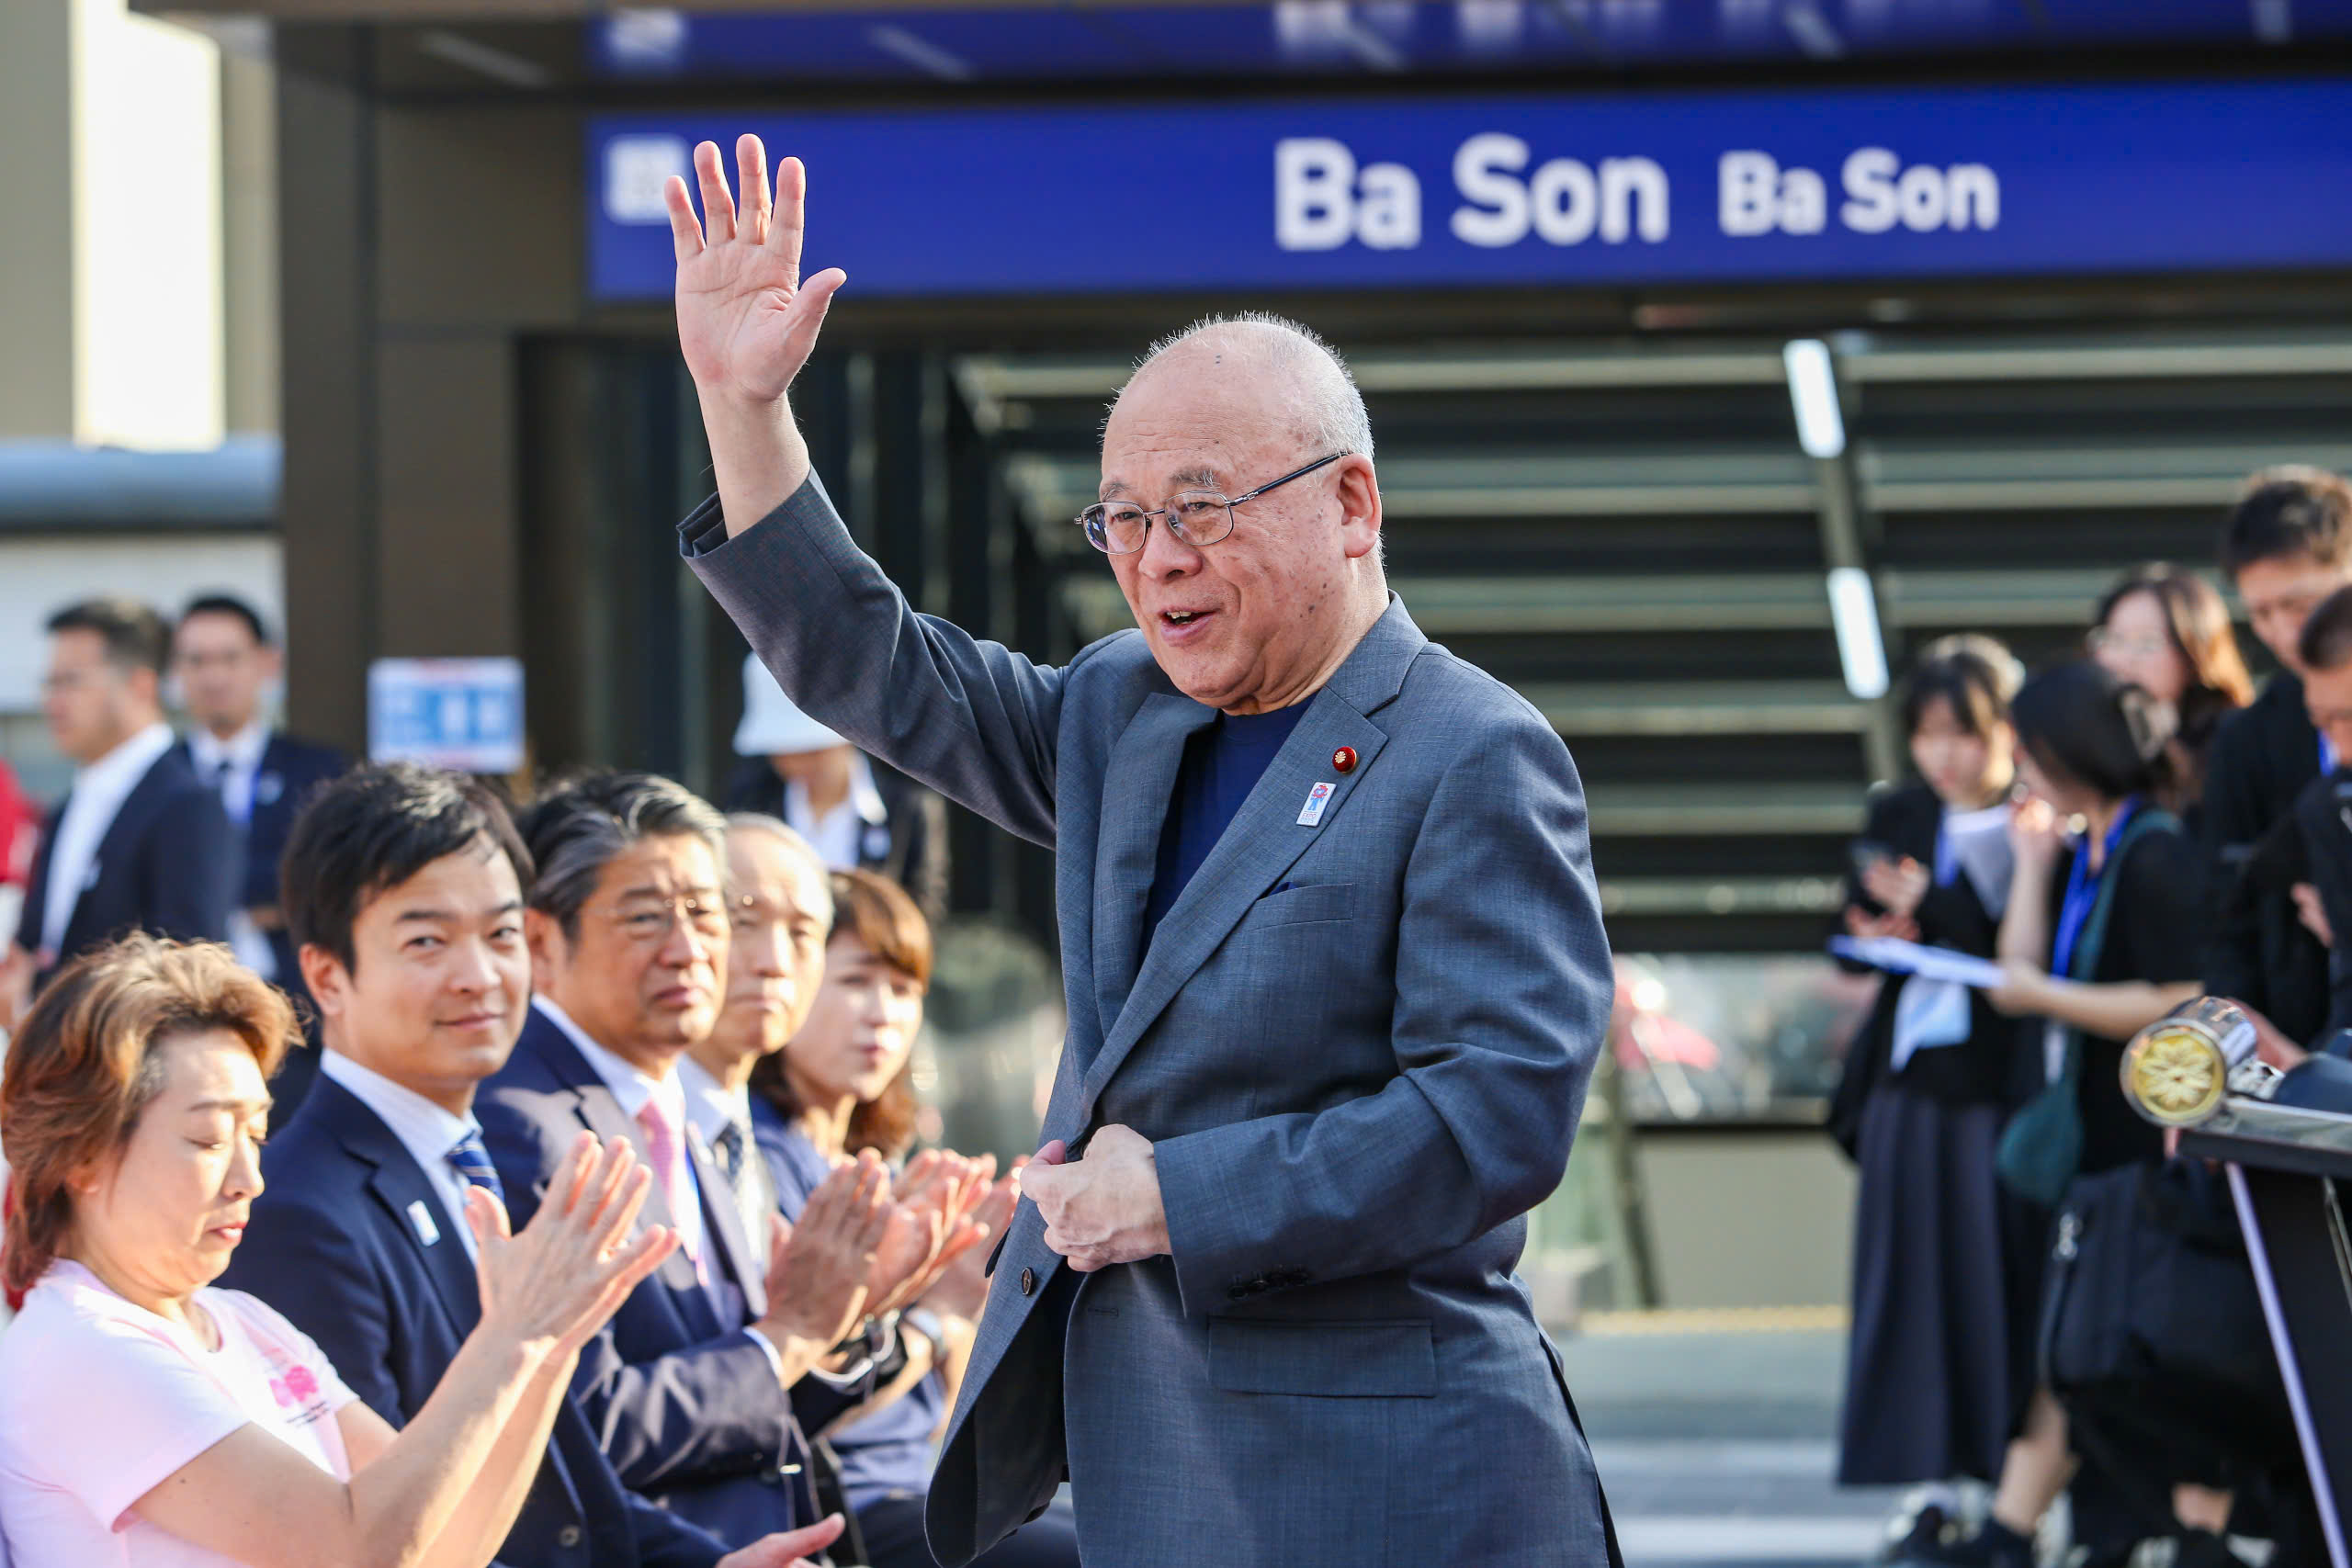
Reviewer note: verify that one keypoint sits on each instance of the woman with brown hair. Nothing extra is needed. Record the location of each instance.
(149, 1420)
(2167, 632)
(845, 1084)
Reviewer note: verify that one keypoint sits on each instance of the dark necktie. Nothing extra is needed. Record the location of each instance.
(473, 1162)
(220, 780)
(740, 1164)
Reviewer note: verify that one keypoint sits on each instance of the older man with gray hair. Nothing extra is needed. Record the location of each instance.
(1334, 961)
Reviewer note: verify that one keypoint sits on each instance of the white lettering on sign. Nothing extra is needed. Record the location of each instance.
(1881, 193)
(1322, 201)
(1754, 195)
(1565, 201)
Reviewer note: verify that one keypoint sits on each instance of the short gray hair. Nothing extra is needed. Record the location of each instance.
(585, 823)
(794, 844)
(1331, 417)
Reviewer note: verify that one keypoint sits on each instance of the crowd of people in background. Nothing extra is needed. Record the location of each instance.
(2118, 834)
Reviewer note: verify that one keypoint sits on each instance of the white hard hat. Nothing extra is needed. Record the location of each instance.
(773, 724)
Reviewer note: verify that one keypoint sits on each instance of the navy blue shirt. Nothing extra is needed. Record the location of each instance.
(1223, 763)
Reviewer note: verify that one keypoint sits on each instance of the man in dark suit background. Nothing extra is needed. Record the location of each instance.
(405, 888)
(702, 1386)
(855, 813)
(2287, 546)
(140, 842)
(226, 661)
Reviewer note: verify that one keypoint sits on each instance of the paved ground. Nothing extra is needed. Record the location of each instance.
(1716, 1437)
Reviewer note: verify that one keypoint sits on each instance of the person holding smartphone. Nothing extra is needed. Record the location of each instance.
(1938, 1349)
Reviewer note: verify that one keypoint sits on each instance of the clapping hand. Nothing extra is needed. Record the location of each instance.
(933, 1227)
(963, 1287)
(818, 1270)
(553, 1286)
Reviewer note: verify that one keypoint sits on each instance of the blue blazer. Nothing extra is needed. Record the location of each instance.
(1359, 1043)
(289, 771)
(332, 1244)
(166, 865)
(686, 1405)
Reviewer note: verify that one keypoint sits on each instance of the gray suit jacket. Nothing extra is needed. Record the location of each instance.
(1360, 1047)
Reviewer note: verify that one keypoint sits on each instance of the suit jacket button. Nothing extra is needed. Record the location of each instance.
(1028, 1282)
(568, 1537)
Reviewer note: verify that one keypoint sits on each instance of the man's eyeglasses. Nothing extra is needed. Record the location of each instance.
(1195, 517)
(649, 924)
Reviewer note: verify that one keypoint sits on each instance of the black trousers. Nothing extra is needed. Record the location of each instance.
(894, 1538)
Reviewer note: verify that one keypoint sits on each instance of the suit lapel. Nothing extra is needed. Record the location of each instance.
(1263, 839)
(403, 1191)
(600, 1111)
(1138, 786)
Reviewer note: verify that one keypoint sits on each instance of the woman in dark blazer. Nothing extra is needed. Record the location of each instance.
(1937, 1357)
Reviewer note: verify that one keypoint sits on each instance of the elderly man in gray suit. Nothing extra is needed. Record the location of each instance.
(1334, 960)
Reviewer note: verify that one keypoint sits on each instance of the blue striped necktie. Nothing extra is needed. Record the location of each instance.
(472, 1161)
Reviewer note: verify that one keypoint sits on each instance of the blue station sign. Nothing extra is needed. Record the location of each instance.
(1525, 191)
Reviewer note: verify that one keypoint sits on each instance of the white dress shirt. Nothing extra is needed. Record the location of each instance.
(843, 832)
(711, 1109)
(99, 791)
(426, 1130)
(233, 766)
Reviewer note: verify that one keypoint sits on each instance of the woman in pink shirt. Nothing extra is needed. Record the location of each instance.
(148, 1420)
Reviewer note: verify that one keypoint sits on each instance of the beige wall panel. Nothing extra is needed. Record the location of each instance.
(249, 239)
(446, 578)
(1749, 1219)
(480, 218)
(37, 240)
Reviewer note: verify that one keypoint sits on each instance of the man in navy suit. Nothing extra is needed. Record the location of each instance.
(405, 889)
(702, 1385)
(225, 661)
(140, 842)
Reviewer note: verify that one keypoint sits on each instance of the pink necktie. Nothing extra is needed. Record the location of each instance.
(666, 1151)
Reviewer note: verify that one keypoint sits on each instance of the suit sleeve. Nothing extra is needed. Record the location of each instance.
(666, 1541)
(696, 1413)
(2231, 963)
(1503, 988)
(307, 1266)
(192, 870)
(2322, 1083)
(973, 720)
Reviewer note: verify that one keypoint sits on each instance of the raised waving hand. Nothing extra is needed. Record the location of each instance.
(747, 320)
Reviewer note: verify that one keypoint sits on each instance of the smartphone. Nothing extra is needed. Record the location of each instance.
(1868, 852)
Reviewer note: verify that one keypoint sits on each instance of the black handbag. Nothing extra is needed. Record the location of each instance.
(2150, 1296)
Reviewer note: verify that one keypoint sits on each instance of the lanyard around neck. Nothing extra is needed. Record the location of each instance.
(2082, 889)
